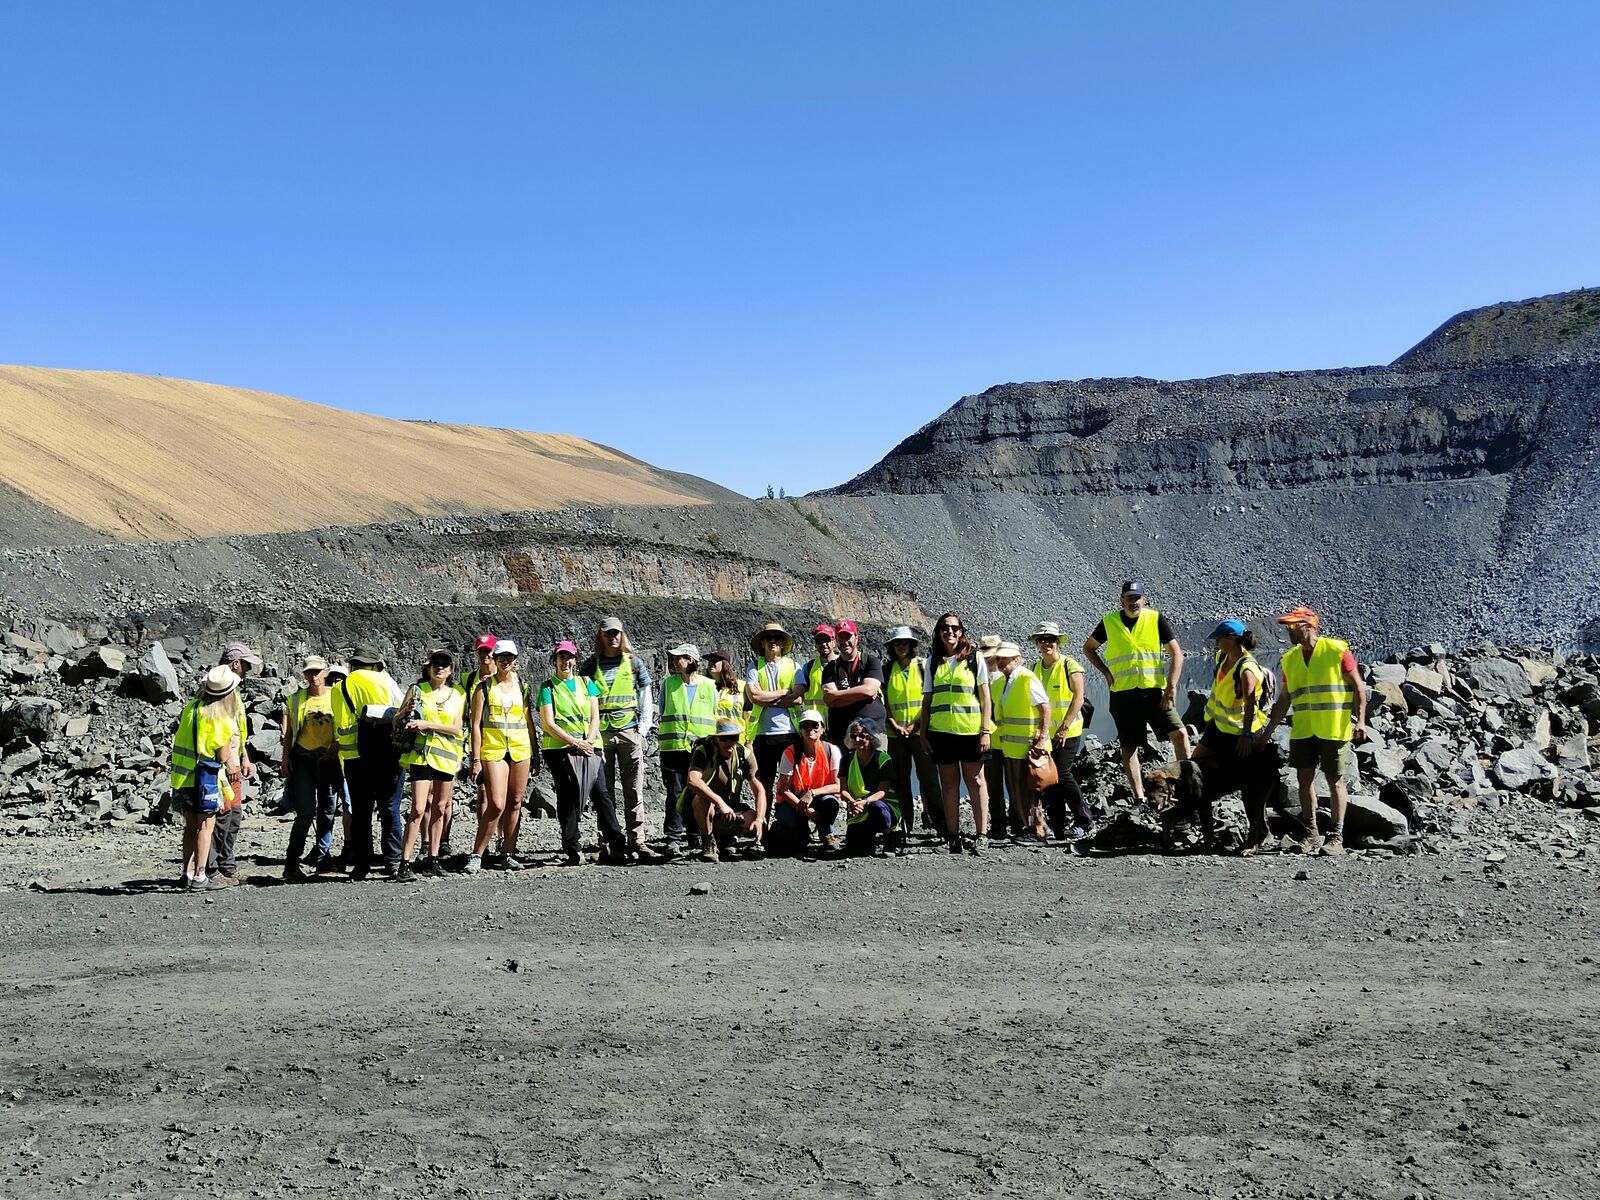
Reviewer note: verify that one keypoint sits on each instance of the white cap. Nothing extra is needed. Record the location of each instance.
(1047, 629)
(685, 650)
(505, 646)
(811, 714)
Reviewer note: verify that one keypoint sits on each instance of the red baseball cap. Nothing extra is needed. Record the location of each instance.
(846, 627)
(486, 642)
(825, 629)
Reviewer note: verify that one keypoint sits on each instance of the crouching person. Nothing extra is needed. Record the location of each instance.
(871, 805)
(808, 790)
(719, 767)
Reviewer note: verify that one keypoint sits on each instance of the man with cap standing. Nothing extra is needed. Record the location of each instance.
(626, 709)
(852, 686)
(688, 713)
(363, 711)
(810, 681)
(1023, 719)
(1062, 676)
(1143, 696)
(770, 684)
(1323, 684)
(310, 765)
(241, 660)
(902, 690)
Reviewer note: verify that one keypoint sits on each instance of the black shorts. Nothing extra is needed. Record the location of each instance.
(951, 748)
(1137, 709)
(1223, 745)
(423, 773)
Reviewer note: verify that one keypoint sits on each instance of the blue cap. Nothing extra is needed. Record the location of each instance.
(1229, 628)
(1133, 587)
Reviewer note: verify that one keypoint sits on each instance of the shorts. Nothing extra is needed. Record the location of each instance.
(1334, 758)
(1223, 745)
(951, 748)
(421, 772)
(1137, 709)
(725, 826)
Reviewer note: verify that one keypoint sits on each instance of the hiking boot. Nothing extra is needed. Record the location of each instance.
(510, 862)
(979, 845)
(1333, 845)
(1310, 844)
(642, 853)
(708, 853)
(294, 873)
(474, 864)
(953, 845)
(829, 843)
(406, 874)
(431, 867)
(359, 873)
(212, 883)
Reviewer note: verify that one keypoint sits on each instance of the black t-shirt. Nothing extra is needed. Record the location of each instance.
(1163, 629)
(843, 674)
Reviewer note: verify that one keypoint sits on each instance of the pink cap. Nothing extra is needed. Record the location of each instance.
(825, 629)
(564, 648)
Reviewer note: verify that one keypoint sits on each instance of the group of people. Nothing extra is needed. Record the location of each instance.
(770, 761)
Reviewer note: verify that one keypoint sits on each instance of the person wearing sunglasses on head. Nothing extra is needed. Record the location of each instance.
(954, 728)
(872, 807)
(719, 767)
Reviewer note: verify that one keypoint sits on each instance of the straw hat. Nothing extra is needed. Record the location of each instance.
(766, 631)
(220, 681)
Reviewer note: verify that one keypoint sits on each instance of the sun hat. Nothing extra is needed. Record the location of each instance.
(811, 715)
(768, 630)
(685, 650)
(1300, 613)
(1008, 650)
(902, 633)
(727, 726)
(339, 669)
(367, 655)
(565, 647)
(611, 624)
(505, 646)
(485, 642)
(989, 643)
(1228, 628)
(1046, 629)
(824, 628)
(313, 662)
(846, 626)
(239, 652)
(220, 681)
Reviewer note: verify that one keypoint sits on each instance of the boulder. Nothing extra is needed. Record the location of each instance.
(1389, 695)
(1521, 768)
(102, 662)
(26, 645)
(1387, 673)
(1368, 820)
(1379, 762)
(23, 760)
(1434, 757)
(58, 639)
(1539, 674)
(34, 718)
(1407, 795)
(1572, 753)
(1498, 677)
(77, 727)
(1419, 699)
(156, 676)
(1425, 679)
(267, 745)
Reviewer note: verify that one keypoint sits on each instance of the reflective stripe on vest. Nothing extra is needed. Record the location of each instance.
(569, 708)
(857, 787)
(785, 681)
(1134, 656)
(953, 704)
(903, 691)
(1323, 702)
(1019, 717)
(1225, 707)
(185, 758)
(682, 722)
(619, 700)
(813, 694)
(441, 751)
(504, 727)
(1057, 682)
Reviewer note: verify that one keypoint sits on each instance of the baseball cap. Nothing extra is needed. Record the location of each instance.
(1133, 587)
(238, 651)
(313, 662)
(1300, 613)
(825, 628)
(611, 624)
(811, 716)
(564, 647)
(367, 655)
(685, 650)
(1228, 628)
(845, 626)
(505, 646)
(713, 655)
(441, 658)
(485, 642)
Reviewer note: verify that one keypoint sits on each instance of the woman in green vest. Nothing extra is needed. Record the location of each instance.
(731, 702)
(871, 803)
(955, 725)
(688, 713)
(569, 713)
(438, 708)
(904, 675)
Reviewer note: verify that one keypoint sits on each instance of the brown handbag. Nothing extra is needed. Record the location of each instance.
(1042, 771)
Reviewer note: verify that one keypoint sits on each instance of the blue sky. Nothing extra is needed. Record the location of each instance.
(765, 242)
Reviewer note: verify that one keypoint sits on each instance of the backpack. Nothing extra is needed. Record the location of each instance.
(375, 736)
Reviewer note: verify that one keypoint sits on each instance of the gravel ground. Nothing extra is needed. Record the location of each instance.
(1026, 1024)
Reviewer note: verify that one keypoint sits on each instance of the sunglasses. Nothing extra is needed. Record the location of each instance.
(861, 735)
(727, 739)
(949, 629)
(809, 725)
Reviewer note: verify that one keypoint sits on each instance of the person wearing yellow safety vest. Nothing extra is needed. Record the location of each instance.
(1322, 682)
(954, 727)
(903, 680)
(867, 780)
(364, 707)
(731, 699)
(1062, 676)
(239, 659)
(1144, 695)
(209, 734)
(503, 723)
(994, 763)
(1236, 710)
(769, 683)
(627, 709)
(809, 682)
(688, 714)
(1022, 717)
(438, 711)
(310, 766)
(569, 718)
(467, 684)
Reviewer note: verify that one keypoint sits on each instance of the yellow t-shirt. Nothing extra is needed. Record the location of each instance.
(315, 731)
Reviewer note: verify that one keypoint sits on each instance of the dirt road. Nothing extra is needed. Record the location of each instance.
(1029, 1024)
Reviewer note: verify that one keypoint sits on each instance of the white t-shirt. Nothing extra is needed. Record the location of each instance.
(980, 668)
(786, 765)
(1036, 693)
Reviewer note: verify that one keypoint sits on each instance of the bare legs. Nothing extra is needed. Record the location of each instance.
(196, 843)
(502, 804)
(951, 776)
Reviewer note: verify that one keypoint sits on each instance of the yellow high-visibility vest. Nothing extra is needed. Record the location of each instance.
(902, 691)
(441, 751)
(503, 724)
(1057, 682)
(1018, 717)
(1225, 705)
(1134, 655)
(685, 721)
(1323, 702)
(953, 703)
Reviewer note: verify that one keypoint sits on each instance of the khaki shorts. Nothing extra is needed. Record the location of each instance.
(1334, 758)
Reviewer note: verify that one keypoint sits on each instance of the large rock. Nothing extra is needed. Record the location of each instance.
(34, 718)
(1538, 673)
(1425, 679)
(1434, 756)
(58, 639)
(102, 662)
(1497, 677)
(156, 676)
(1380, 762)
(23, 760)
(266, 744)
(1390, 695)
(1520, 769)
(1407, 795)
(1369, 820)
(1387, 673)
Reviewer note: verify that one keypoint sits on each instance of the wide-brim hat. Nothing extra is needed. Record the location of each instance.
(1046, 629)
(766, 631)
(1008, 650)
(728, 727)
(902, 633)
(367, 656)
(220, 681)
(989, 643)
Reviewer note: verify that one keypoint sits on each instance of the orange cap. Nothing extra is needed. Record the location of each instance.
(1301, 614)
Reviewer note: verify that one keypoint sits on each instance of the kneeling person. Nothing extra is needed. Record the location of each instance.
(870, 801)
(719, 767)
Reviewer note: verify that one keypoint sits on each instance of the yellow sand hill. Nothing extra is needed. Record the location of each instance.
(146, 458)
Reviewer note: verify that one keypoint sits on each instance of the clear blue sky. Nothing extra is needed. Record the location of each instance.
(764, 242)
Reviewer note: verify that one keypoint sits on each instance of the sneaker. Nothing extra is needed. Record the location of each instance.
(474, 864)
(953, 845)
(572, 859)
(642, 853)
(708, 853)
(757, 850)
(829, 843)
(1333, 845)
(406, 873)
(213, 883)
(1079, 832)
(1030, 839)
(979, 845)
(326, 865)
(510, 862)
(1310, 844)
